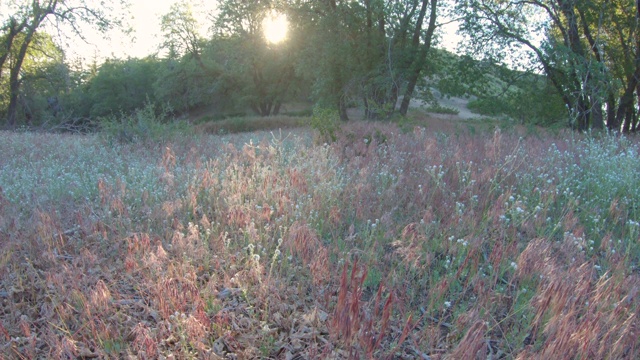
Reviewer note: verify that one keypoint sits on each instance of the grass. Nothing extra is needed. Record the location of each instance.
(242, 124)
(383, 244)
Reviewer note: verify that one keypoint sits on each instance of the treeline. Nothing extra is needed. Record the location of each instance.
(539, 61)
(338, 54)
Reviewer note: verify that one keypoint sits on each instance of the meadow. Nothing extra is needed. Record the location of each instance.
(387, 243)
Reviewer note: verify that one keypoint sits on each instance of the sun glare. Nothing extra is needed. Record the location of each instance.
(275, 27)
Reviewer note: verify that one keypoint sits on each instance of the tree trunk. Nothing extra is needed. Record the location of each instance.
(596, 104)
(582, 114)
(628, 118)
(421, 57)
(342, 110)
(12, 110)
(626, 101)
(14, 30)
(376, 95)
(276, 108)
(367, 110)
(634, 126)
(597, 117)
(611, 110)
(575, 44)
(14, 79)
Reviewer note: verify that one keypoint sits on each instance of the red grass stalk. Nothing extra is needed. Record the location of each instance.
(337, 322)
(405, 333)
(386, 313)
(347, 316)
(143, 342)
(4, 332)
(473, 345)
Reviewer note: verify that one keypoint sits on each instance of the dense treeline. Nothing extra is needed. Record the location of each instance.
(574, 59)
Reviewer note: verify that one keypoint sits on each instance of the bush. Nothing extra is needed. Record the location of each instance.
(487, 106)
(327, 123)
(440, 109)
(144, 124)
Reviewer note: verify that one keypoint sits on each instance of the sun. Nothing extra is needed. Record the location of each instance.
(275, 26)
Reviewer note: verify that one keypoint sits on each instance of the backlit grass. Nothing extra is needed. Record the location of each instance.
(382, 244)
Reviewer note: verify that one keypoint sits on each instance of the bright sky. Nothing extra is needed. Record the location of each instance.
(450, 39)
(145, 17)
(145, 21)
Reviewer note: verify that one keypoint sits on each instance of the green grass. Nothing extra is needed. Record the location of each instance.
(242, 124)
(245, 244)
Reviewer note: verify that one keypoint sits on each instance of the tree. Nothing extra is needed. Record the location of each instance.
(189, 77)
(262, 74)
(181, 32)
(418, 62)
(26, 20)
(330, 31)
(122, 86)
(577, 44)
(369, 49)
(43, 80)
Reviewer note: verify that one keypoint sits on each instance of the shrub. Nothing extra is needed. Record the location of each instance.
(440, 109)
(144, 124)
(327, 123)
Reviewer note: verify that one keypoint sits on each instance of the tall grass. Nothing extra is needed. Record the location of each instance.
(382, 244)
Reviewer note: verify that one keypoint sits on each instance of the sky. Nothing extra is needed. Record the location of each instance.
(144, 19)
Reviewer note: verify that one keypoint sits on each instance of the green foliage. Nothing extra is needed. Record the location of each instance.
(143, 125)
(487, 106)
(185, 84)
(43, 77)
(42, 91)
(440, 109)
(259, 75)
(499, 91)
(362, 50)
(528, 102)
(122, 86)
(584, 49)
(407, 123)
(22, 36)
(327, 123)
(461, 75)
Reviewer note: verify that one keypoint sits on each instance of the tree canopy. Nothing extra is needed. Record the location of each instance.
(588, 50)
(21, 29)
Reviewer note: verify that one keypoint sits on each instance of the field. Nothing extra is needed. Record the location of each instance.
(385, 244)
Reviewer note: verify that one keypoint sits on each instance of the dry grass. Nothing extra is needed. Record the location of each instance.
(382, 245)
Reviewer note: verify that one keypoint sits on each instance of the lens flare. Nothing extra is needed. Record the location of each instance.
(275, 27)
